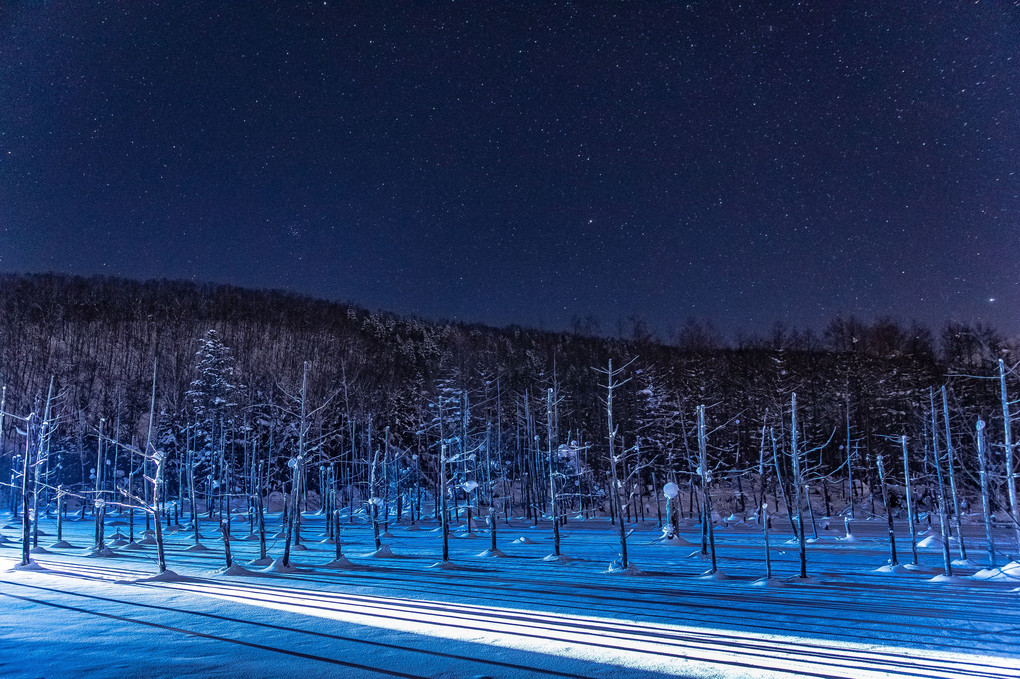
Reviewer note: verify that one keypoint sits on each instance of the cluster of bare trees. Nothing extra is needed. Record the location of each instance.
(177, 400)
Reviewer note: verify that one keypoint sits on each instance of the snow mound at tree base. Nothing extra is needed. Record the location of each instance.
(103, 552)
(617, 568)
(30, 566)
(383, 552)
(1008, 573)
(524, 541)
(197, 547)
(932, 541)
(675, 541)
(41, 550)
(261, 562)
(718, 575)
(340, 564)
(768, 582)
(558, 558)
(949, 579)
(278, 566)
(447, 566)
(492, 553)
(62, 544)
(165, 576)
(918, 568)
(849, 537)
(893, 569)
(235, 570)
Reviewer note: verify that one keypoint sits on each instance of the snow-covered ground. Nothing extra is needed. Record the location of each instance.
(514, 616)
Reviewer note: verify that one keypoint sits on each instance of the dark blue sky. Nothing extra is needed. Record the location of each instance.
(526, 162)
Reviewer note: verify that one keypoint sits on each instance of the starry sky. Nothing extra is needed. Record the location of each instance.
(527, 162)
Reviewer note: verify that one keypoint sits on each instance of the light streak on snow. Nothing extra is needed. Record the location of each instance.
(658, 648)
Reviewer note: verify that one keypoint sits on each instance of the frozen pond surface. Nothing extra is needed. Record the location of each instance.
(514, 616)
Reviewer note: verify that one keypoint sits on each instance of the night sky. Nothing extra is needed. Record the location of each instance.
(527, 162)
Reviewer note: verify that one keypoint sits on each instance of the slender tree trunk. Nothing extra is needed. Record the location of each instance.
(25, 493)
(985, 498)
(952, 476)
(443, 492)
(1007, 431)
(336, 539)
(261, 518)
(492, 528)
(888, 510)
(943, 524)
(849, 461)
(226, 543)
(157, 487)
(615, 495)
(910, 502)
(552, 474)
(707, 496)
(797, 481)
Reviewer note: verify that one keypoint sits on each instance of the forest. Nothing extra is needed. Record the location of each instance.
(173, 398)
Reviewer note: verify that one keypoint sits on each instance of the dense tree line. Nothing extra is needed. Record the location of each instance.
(246, 380)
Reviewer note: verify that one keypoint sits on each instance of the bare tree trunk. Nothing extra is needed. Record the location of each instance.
(952, 476)
(985, 499)
(25, 493)
(157, 487)
(706, 495)
(760, 500)
(261, 517)
(225, 531)
(443, 492)
(615, 494)
(797, 482)
(552, 476)
(336, 538)
(492, 528)
(888, 510)
(849, 462)
(943, 524)
(1014, 508)
(910, 504)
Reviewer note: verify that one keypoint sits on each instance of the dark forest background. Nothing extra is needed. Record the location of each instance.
(858, 383)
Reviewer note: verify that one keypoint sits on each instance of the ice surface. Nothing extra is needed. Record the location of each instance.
(518, 616)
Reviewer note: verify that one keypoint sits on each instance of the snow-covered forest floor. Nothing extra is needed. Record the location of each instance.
(514, 616)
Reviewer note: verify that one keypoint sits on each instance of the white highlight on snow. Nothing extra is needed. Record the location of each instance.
(657, 648)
